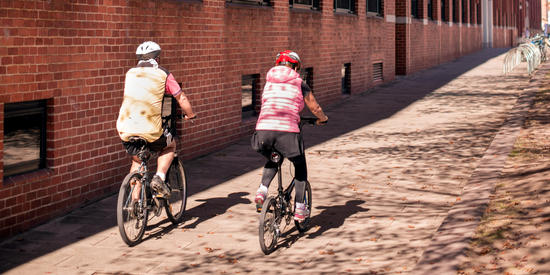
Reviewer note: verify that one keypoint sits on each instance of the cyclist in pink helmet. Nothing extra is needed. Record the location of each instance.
(278, 128)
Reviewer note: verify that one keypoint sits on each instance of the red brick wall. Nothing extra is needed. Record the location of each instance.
(75, 54)
(505, 37)
(424, 43)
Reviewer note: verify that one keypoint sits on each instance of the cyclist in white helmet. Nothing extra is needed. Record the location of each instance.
(140, 114)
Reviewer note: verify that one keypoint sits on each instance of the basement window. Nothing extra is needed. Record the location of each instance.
(24, 137)
(249, 95)
(346, 79)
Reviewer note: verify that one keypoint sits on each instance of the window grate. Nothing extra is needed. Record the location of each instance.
(377, 72)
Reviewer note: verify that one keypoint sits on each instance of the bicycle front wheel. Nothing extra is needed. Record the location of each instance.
(269, 227)
(304, 225)
(131, 217)
(177, 180)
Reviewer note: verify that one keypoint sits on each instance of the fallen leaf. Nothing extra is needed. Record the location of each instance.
(328, 252)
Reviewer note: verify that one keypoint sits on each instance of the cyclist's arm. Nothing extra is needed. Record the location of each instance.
(315, 108)
(173, 88)
(185, 105)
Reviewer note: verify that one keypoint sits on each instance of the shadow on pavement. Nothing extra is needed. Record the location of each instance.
(346, 116)
(334, 216)
(212, 207)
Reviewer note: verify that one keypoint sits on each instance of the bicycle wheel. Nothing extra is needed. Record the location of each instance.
(303, 226)
(269, 226)
(131, 219)
(177, 180)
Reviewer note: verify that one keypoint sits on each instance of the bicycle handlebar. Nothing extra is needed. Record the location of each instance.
(311, 121)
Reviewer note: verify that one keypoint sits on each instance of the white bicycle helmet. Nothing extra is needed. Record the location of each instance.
(148, 50)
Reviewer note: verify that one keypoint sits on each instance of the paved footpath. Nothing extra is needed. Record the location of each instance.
(385, 171)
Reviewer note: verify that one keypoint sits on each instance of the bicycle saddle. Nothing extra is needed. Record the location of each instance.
(276, 156)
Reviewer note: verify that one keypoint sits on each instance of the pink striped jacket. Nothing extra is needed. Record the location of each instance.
(282, 101)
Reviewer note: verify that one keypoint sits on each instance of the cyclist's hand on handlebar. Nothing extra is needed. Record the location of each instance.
(190, 117)
(322, 122)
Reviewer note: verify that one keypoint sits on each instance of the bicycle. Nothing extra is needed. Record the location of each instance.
(132, 216)
(279, 208)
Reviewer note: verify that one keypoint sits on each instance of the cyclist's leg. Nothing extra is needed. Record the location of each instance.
(137, 187)
(300, 176)
(136, 162)
(270, 170)
(166, 155)
(165, 159)
(262, 142)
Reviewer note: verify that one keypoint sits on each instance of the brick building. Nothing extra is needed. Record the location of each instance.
(63, 64)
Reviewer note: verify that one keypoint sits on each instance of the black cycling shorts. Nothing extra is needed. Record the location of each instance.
(155, 146)
(288, 144)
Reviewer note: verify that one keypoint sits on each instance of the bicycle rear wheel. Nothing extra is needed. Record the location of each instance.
(177, 180)
(269, 226)
(131, 218)
(304, 225)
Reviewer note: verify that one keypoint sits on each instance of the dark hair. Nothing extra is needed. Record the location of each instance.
(147, 56)
(289, 64)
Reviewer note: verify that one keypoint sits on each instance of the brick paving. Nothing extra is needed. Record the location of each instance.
(386, 172)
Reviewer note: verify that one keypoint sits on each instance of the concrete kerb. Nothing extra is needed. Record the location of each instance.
(449, 243)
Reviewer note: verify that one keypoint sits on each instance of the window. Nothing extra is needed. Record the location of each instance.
(249, 95)
(346, 79)
(472, 12)
(24, 137)
(430, 10)
(305, 4)
(307, 76)
(414, 9)
(443, 13)
(464, 11)
(250, 2)
(347, 6)
(375, 7)
(478, 9)
(455, 11)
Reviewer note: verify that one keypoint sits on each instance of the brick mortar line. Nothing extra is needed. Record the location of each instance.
(449, 243)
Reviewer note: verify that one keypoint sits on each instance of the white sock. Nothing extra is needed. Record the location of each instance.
(161, 176)
(300, 205)
(262, 189)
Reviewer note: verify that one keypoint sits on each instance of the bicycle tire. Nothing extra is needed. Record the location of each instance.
(304, 225)
(177, 180)
(131, 224)
(268, 225)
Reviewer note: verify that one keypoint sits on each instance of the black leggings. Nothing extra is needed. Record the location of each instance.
(300, 175)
